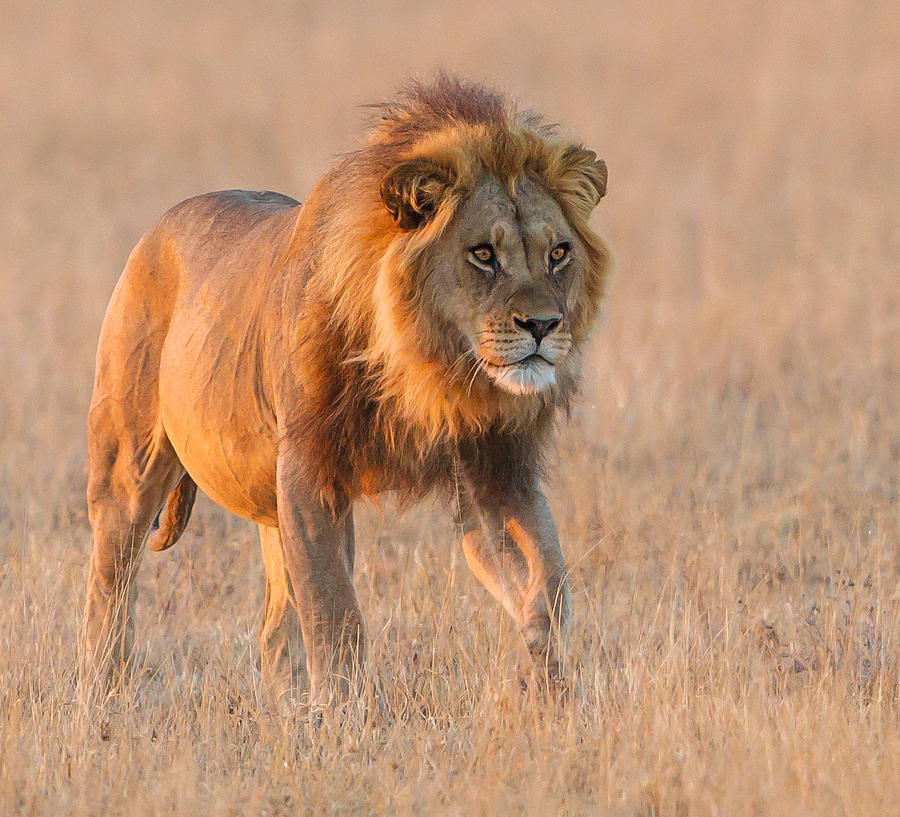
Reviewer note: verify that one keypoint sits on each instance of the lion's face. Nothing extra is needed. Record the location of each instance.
(505, 275)
(501, 270)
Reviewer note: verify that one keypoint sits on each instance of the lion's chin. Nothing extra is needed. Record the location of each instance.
(530, 376)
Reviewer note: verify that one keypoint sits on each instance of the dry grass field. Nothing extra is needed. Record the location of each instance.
(726, 492)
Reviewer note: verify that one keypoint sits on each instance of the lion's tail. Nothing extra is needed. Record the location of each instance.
(173, 519)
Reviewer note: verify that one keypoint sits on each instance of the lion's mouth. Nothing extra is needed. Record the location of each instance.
(528, 375)
(533, 358)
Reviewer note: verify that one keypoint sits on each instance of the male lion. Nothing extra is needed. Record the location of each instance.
(416, 324)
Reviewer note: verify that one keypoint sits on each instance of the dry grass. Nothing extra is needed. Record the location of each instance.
(727, 493)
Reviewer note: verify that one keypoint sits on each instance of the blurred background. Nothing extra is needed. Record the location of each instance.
(735, 453)
(752, 148)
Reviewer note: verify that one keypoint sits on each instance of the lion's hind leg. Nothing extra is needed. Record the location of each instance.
(130, 476)
(282, 654)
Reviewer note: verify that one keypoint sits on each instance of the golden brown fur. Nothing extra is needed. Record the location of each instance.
(290, 359)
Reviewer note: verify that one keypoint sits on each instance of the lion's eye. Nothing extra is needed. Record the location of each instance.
(484, 255)
(558, 254)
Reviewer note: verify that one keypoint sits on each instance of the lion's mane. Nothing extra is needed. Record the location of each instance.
(392, 404)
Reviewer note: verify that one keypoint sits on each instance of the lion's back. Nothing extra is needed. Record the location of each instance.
(239, 209)
(215, 224)
(211, 244)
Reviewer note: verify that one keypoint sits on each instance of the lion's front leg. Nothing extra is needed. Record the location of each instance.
(510, 544)
(282, 654)
(318, 548)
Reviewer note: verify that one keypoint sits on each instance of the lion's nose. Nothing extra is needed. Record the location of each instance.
(538, 327)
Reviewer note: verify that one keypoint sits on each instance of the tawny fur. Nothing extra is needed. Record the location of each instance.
(288, 359)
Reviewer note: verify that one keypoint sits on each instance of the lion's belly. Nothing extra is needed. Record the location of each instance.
(213, 417)
(234, 470)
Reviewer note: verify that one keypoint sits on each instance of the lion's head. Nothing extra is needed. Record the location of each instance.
(482, 273)
(505, 275)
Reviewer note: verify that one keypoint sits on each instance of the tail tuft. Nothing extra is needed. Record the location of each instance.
(176, 515)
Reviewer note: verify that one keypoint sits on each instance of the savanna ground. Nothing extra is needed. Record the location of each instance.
(726, 492)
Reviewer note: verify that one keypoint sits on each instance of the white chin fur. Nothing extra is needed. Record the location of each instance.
(528, 377)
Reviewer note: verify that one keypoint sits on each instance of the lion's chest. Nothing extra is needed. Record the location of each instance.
(410, 470)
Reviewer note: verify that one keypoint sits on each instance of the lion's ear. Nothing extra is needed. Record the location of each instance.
(583, 177)
(412, 191)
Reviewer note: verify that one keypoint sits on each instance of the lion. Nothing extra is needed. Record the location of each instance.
(416, 325)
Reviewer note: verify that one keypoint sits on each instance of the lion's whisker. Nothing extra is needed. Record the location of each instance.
(460, 357)
(479, 365)
(474, 365)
